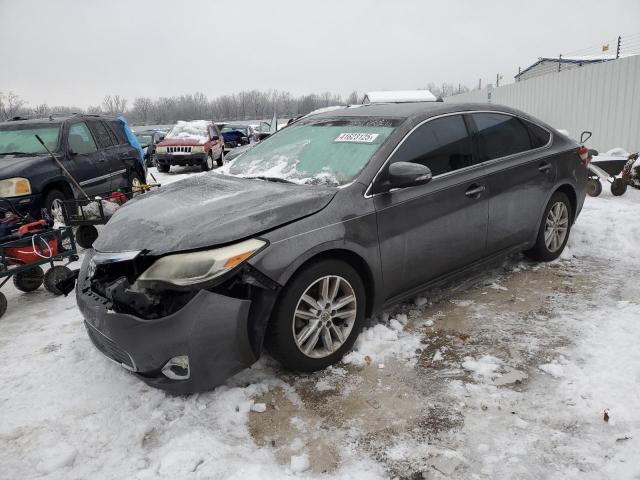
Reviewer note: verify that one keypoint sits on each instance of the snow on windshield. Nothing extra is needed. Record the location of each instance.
(194, 130)
(330, 153)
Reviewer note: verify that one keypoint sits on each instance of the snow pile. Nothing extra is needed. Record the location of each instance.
(483, 367)
(197, 130)
(382, 341)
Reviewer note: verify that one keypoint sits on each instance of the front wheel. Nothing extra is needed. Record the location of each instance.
(53, 203)
(207, 163)
(220, 160)
(594, 187)
(554, 230)
(318, 316)
(163, 168)
(54, 275)
(29, 280)
(618, 187)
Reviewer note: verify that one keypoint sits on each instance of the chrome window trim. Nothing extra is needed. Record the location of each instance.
(368, 194)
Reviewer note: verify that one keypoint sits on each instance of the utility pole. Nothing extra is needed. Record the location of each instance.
(497, 80)
(618, 47)
(560, 62)
(480, 84)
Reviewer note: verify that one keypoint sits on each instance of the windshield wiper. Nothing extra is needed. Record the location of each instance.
(270, 179)
(15, 153)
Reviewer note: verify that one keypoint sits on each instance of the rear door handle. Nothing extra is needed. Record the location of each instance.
(544, 167)
(474, 191)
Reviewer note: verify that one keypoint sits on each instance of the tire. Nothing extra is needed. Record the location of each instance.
(618, 187)
(53, 276)
(53, 204)
(550, 243)
(594, 187)
(163, 168)
(283, 325)
(220, 161)
(134, 183)
(86, 235)
(29, 280)
(3, 304)
(207, 163)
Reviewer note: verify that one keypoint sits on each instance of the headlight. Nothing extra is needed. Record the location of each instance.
(15, 187)
(197, 149)
(185, 269)
(161, 149)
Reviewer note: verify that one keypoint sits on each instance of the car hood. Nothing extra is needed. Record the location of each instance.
(207, 210)
(19, 165)
(181, 142)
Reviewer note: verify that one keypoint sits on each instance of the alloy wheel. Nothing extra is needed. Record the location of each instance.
(556, 226)
(210, 161)
(56, 210)
(324, 316)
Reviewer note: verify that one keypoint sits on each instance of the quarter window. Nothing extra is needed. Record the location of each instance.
(501, 135)
(80, 139)
(118, 130)
(443, 145)
(539, 136)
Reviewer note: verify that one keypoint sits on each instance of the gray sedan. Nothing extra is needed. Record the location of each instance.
(294, 243)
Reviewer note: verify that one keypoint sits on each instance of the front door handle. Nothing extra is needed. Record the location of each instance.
(474, 191)
(544, 167)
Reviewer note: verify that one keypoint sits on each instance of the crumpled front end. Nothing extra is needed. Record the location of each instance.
(179, 341)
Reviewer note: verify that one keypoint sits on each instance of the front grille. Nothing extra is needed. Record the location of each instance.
(110, 349)
(178, 149)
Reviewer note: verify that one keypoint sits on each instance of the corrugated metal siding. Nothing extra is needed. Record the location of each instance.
(603, 98)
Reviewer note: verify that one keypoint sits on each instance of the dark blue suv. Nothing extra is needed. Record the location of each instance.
(93, 148)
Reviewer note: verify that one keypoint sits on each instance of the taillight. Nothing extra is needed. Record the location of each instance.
(585, 158)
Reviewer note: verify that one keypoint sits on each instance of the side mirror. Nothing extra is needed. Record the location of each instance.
(405, 174)
(584, 136)
(244, 139)
(214, 137)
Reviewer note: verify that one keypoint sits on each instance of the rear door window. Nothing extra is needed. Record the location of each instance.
(501, 135)
(80, 139)
(118, 130)
(443, 145)
(102, 135)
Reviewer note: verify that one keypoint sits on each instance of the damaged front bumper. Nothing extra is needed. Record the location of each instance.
(190, 350)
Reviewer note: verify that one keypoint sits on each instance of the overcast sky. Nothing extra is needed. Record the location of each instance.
(74, 52)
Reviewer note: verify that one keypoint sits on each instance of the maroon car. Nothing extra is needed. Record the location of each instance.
(197, 142)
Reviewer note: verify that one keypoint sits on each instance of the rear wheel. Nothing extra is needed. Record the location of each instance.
(594, 187)
(29, 280)
(554, 230)
(53, 276)
(162, 168)
(618, 187)
(318, 316)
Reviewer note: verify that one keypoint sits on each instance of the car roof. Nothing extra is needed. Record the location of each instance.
(407, 110)
(56, 118)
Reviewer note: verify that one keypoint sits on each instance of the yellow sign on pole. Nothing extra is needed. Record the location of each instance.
(605, 47)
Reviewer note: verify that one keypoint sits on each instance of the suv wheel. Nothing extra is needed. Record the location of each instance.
(207, 163)
(318, 316)
(554, 230)
(53, 204)
(162, 168)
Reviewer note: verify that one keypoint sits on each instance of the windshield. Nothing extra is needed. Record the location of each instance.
(321, 152)
(196, 130)
(145, 139)
(231, 128)
(22, 138)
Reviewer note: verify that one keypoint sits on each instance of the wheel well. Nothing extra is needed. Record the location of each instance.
(571, 193)
(357, 262)
(61, 185)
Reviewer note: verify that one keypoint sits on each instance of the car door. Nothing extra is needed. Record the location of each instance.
(429, 230)
(125, 157)
(85, 160)
(519, 174)
(108, 145)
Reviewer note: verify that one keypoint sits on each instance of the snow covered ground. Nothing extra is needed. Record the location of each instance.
(508, 375)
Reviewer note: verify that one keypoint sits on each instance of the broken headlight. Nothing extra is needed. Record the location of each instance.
(189, 269)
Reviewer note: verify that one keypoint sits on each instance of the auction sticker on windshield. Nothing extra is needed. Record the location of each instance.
(357, 137)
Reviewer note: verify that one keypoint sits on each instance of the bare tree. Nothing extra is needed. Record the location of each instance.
(10, 105)
(114, 104)
(142, 109)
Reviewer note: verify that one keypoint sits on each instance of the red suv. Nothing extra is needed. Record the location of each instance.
(198, 142)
